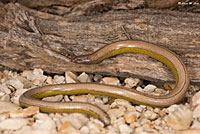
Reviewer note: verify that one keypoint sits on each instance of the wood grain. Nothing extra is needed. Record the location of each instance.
(33, 39)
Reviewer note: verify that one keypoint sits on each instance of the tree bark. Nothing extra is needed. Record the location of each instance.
(33, 39)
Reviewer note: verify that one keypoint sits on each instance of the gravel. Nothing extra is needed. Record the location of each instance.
(126, 118)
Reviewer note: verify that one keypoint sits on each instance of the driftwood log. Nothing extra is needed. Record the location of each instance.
(34, 39)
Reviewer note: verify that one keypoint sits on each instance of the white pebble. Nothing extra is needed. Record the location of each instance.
(196, 99)
(13, 124)
(116, 112)
(149, 88)
(150, 115)
(93, 128)
(121, 102)
(5, 98)
(130, 117)
(49, 80)
(195, 124)
(125, 129)
(45, 124)
(76, 123)
(196, 111)
(59, 79)
(30, 130)
(139, 108)
(38, 74)
(189, 131)
(53, 98)
(111, 81)
(17, 84)
(131, 82)
(80, 98)
(70, 77)
(4, 89)
(181, 118)
(7, 107)
(84, 130)
(84, 77)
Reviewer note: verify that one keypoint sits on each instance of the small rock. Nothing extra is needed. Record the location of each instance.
(41, 116)
(13, 124)
(5, 98)
(111, 81)
(195, 124)
(49, 80)
(70, 77)
(30, 130)
(156, 110)
(116, 112)
(157, 122)
(1, 94)
(93, 128)
(59, 79)
(102, 106)
(149, 88)
(66, 98)
(150, 115)
(121, 102)
(97, 77)
(105, 99)
(139, 108)
(4, 89)
(1, 75)
(145, 121)
(17, 84)
(131, 109)
(139, 89)
(27, 83)
(38, 71)
(8, 107)
(32, 110)
(180, 118)
(57, 120)
(125, 129)
(67, 127)
(130, 117)
(17, 114)
(172, 108)
(131, 82)
(38, 74)
(112, 130)
(196, 99)
(98, 100)
(189, 131)
(119, 121)
(27, 73)
(80, 98)
(77, 123)
(81, 117)
(139, 130)
(85, 130)
(4, 116)
(196, 111)
(84, 77)
(36, 82)
(169, 86)
(17, 94)
(44, 123)
(159, 91)
(53, 98)
(98, 123)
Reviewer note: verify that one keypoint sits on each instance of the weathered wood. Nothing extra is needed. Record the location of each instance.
(32, 39)
(91, 7)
